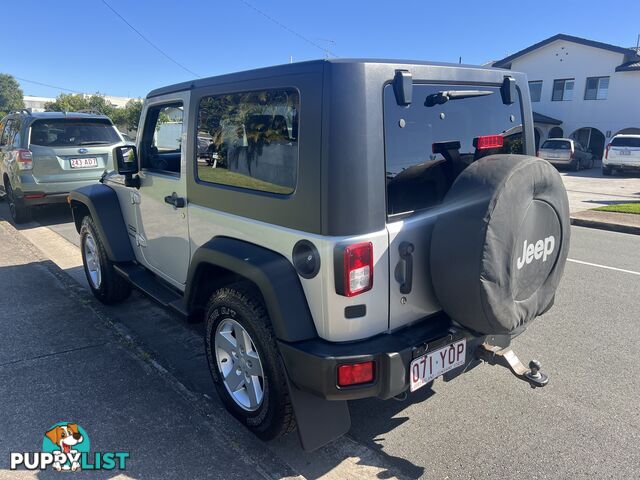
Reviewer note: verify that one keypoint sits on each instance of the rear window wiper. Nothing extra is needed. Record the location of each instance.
(446, 95)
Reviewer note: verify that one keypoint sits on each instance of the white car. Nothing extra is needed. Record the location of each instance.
(623, 153)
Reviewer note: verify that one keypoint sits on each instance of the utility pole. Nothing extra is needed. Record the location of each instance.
(638, 45)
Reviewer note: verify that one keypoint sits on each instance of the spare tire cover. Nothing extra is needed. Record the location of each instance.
(499, 247)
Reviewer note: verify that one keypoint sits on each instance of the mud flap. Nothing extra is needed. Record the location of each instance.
(319, 421)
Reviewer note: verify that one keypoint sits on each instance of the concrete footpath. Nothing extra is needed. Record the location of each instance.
(61, 359)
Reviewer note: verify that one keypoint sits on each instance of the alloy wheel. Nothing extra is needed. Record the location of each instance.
(239, 364)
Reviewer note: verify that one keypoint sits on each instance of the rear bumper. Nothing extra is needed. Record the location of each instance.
(622, 166)
(34, 193)
(33, 199)
(312, 364)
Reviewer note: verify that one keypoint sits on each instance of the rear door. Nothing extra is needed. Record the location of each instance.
(625, 150)
(71, 149)
(162, 223)
(426, 148)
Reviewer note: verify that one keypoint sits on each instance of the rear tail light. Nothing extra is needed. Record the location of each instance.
(606, 152)
(486, 142)
(358, 269)
(355, 374)
(25, 159)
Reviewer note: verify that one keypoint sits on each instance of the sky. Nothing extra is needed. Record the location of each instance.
(82, 45)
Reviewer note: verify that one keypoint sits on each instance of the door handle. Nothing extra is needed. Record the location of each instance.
(175, 200)
(406, 254)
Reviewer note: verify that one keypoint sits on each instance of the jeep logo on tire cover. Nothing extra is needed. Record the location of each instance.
(535, 249)
(540, 250)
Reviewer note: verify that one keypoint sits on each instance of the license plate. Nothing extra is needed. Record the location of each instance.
(432, 365)
(84, 162)
(625, 152)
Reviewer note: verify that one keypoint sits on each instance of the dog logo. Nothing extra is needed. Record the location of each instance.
(68, 440)
(66, 448)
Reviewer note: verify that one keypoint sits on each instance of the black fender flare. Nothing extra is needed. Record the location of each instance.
(102, 204)
(273, 274)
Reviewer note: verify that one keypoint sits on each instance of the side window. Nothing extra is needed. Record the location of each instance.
(161, 146)
(16, 134)
(249, 140)
(4, 139)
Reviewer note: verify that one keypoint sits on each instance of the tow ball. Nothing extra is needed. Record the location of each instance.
(505, 357)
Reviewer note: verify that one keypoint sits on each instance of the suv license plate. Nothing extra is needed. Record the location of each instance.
(432, 365)
(625, 152)
(84, 162)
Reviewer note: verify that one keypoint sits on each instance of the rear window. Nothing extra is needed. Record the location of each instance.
(557, 145)
(427, 147)
(65, 132)
(626, 142)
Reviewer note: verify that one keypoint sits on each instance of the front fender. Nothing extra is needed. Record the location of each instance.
(101, 202)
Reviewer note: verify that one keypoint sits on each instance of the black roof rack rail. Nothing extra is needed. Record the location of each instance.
(21, 110)
(91, 111)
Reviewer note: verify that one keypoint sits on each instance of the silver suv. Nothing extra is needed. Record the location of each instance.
(43, 156)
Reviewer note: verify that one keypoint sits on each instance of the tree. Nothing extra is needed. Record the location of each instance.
(67, 102)
(130, 114)
(10, 94)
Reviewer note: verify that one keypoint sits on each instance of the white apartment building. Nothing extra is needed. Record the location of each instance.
(580, 89)
(36, 104)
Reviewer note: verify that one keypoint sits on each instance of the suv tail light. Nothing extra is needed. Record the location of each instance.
(606, 152)
(486, 142)
(358, 269)
(355, 374)
(25, 159)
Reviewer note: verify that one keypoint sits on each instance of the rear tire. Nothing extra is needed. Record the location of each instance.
(105, 284)
(607, 172)
(20, 213)
(578, 166)
(259, 398)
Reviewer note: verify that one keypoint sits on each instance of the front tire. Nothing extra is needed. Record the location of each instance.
(244, 361)
(105, 284)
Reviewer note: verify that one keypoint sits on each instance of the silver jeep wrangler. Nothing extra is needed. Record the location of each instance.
(356, 229)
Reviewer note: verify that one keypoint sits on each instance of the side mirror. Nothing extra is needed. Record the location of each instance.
(126, 163)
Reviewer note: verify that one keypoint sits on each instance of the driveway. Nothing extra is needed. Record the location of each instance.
(588, 189)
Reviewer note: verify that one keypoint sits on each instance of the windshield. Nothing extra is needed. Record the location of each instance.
(557, 145)
(65, 132)
(429, 143)
(626, 142)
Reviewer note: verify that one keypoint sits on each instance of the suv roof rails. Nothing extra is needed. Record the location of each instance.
(21, 110)
(92, 111)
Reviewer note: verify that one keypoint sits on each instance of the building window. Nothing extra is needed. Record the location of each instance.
(563, 90)
(535, 90)
(597, 88)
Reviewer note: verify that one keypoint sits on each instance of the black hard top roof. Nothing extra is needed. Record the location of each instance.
(293, 68)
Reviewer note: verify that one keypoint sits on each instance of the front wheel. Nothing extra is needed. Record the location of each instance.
(245, 363)
(106, 285)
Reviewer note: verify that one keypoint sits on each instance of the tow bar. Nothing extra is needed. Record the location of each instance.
(505, 357)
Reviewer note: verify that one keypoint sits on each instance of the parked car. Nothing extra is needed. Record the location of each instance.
(565, 152)
(622, 154)
(389, 235)
(43, 156)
